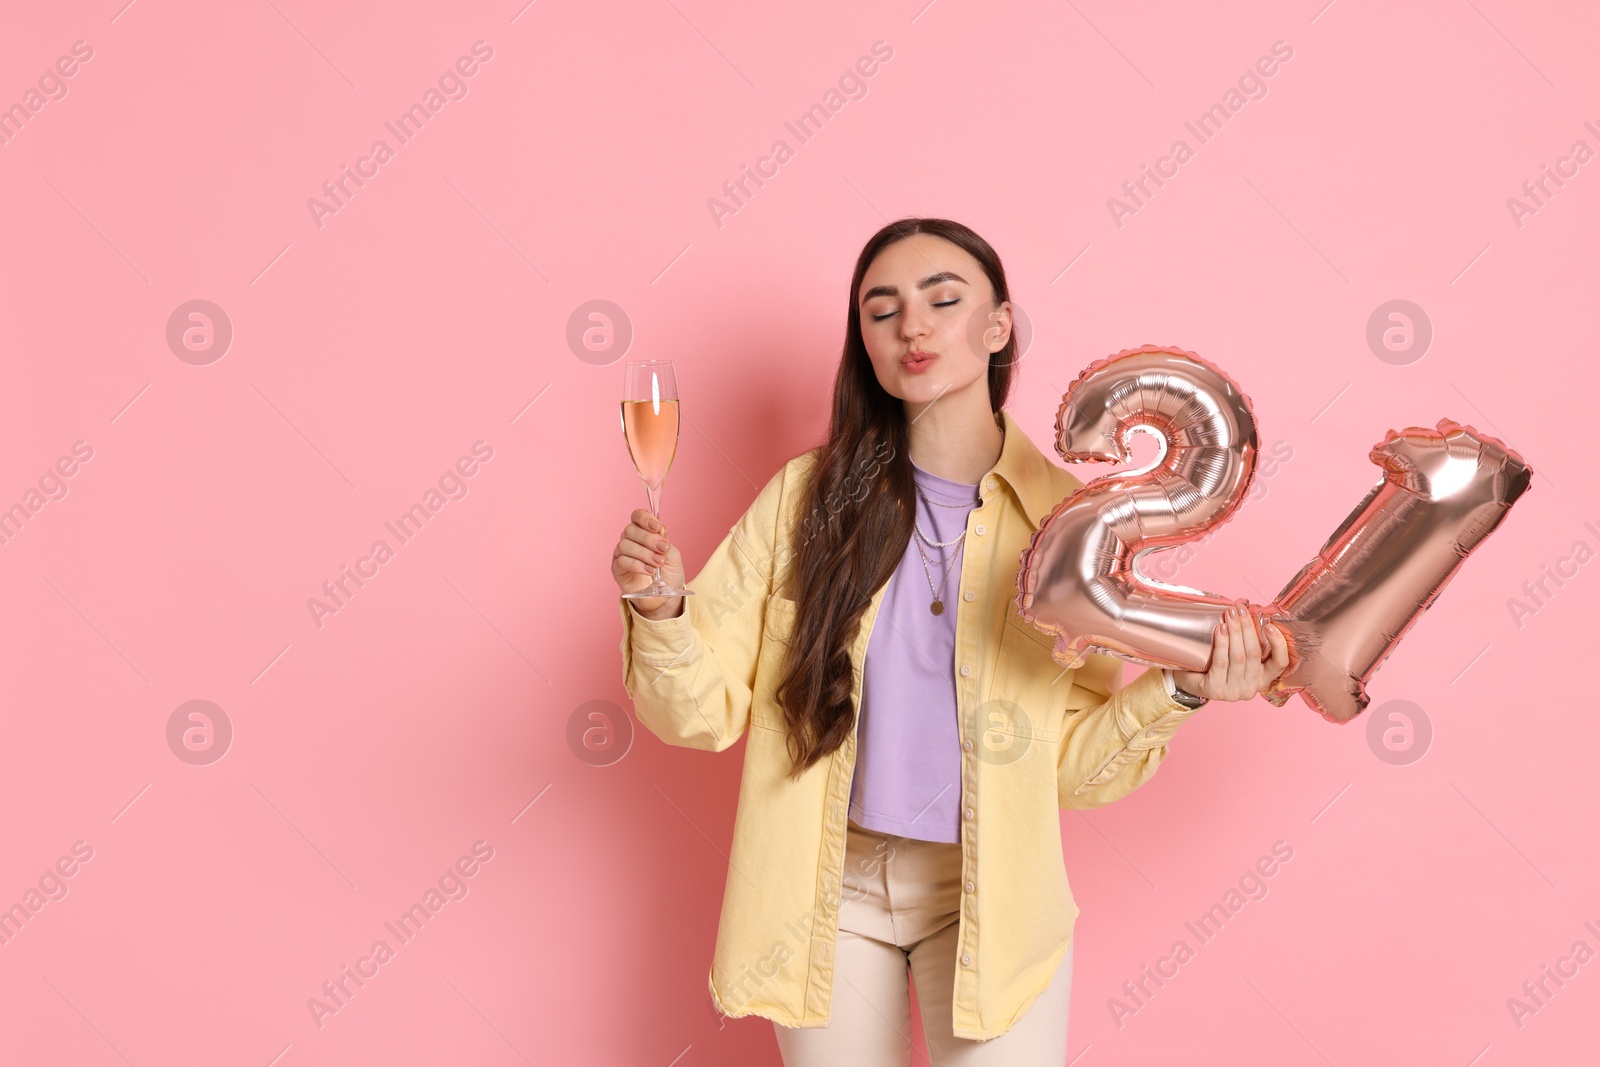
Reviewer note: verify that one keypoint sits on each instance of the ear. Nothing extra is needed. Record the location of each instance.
(1000, 333)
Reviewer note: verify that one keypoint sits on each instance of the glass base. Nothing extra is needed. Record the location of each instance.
(657, 588)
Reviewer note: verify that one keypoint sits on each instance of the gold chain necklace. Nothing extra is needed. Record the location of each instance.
(937, 607)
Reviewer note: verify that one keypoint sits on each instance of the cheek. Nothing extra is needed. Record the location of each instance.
(966, 331)
(879, 341)
(967, 339)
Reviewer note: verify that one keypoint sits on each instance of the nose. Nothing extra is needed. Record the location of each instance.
(912, 324)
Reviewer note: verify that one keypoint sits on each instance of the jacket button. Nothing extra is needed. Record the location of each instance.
(969, 813)
(970, 887)
(990, 484)
(968, 746)
(978, 529)
(968, 595)
(966, 961)
(966, 669)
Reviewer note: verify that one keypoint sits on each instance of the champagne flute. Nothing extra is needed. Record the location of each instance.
(650, 427)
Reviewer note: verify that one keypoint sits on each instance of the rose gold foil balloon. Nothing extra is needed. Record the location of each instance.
(1077, 580)
(1442, 492)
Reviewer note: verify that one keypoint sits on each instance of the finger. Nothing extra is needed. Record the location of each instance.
(1222, 662)
(627, 573)
(1280, 649)
(1250, 671)
(1250, 668)
(1258, 645)
(1280, 645)
(648, 522)
(637, 551)
(1219, 652)
(656, 542)
(1236, 651)
(627, 565)
(1252, 636)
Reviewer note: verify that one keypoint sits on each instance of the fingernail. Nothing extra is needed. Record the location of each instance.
(661, 546)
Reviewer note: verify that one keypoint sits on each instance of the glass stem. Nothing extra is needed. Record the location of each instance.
(653, 499)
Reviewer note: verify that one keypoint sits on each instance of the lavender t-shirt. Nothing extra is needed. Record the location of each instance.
(908, 748)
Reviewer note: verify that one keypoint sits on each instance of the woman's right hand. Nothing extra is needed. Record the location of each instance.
(644, 547)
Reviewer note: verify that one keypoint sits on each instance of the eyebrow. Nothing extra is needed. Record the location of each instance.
(930, 280)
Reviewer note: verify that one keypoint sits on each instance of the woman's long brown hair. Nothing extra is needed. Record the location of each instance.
(857, 509)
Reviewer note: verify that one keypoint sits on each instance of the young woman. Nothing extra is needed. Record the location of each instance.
(911, 740)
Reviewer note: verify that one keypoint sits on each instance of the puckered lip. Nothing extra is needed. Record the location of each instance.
(918, 356)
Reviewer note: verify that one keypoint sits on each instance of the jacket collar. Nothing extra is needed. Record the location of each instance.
(1027, 472)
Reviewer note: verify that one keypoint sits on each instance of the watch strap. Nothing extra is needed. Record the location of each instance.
(1181, 696)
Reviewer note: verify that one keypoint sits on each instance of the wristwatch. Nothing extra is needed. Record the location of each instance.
(1187, 699)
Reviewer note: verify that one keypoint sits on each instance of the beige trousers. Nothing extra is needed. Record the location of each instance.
(898, 912)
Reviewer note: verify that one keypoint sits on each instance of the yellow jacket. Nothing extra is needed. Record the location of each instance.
(1035, 739)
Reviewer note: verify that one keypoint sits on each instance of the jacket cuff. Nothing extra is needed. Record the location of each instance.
(1145, 719)
(656, 642)
(1149, 715)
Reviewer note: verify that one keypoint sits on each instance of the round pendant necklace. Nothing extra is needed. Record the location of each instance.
(937, 607)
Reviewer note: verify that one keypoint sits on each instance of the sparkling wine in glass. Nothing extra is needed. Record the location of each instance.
(650, 427)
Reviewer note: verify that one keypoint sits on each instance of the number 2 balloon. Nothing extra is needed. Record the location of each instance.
(1442, 491)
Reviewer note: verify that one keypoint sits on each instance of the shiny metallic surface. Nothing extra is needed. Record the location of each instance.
(1443, 491)
(1077, 580)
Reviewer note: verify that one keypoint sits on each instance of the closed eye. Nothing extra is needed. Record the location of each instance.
(939, 304)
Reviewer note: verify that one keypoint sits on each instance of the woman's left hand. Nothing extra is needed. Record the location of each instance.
(1238, 670)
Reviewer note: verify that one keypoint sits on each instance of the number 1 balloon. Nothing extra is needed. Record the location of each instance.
(1443, 491)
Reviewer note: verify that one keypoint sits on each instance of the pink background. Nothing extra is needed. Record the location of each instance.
(430, 312)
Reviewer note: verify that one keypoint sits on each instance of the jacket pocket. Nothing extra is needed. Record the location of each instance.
(1028, 677)
(777, 629)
